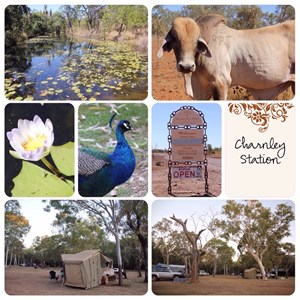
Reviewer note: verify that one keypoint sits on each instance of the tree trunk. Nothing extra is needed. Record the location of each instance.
(6, 256)
(11, 258)
(119, 258)
(192, 238)
(260, 264)
(215, 268)
(194, 273)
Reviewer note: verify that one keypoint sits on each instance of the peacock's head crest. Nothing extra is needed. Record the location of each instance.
(123, 125)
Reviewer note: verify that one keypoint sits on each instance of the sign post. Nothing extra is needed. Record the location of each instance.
(187, 147)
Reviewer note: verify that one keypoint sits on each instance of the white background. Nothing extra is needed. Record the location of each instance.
(149, 101)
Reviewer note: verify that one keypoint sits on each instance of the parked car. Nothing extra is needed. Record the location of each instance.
(116, 271)
(165, 273)
(203, 273)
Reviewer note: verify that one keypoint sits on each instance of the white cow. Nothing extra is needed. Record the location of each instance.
(213, 57)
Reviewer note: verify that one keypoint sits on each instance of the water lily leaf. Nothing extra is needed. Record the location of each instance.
(34, 181)
(63, 156)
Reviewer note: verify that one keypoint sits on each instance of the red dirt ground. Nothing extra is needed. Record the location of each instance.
(188, 187)
(164, 70)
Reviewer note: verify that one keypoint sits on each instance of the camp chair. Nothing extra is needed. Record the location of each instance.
(52, 276)
(62, 277)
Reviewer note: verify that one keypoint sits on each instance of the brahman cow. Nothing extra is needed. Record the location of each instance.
(213, 57)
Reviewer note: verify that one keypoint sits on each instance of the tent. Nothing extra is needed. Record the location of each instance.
(250, 273)
(85, 269)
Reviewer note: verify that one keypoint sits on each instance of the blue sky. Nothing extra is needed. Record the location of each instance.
(41, 7)
(265, 8)
(161, 116)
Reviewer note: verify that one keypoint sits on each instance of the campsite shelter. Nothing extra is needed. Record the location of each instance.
(85, 269)
(250, 273)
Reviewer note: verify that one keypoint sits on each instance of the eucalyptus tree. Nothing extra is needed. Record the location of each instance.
(253, 227)
(194, 240)
(105, 213)
(136, 219)
(219, 253)
(162, 238)
(16, 228)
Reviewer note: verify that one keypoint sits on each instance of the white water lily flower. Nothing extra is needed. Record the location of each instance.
(32, 140)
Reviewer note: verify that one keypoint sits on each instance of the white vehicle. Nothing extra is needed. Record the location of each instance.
(178, 268)
(203, 273)
(165, 273)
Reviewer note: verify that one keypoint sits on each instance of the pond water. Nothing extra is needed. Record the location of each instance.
(48, 69)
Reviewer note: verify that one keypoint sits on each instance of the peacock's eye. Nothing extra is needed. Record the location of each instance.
(126, 125)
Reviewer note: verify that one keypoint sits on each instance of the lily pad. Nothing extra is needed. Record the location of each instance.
(34, 181)
(63, 157)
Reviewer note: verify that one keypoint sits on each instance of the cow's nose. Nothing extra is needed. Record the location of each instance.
(186, 67)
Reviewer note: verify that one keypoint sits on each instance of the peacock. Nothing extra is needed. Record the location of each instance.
(101, 172)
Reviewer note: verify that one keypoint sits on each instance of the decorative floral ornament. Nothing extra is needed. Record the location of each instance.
(261, 114)
(32, 140)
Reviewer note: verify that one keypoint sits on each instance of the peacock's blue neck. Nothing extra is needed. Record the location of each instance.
(121, 141)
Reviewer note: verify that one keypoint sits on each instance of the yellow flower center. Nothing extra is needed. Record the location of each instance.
(34, 143)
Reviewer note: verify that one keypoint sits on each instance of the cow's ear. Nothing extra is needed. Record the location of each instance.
(202, 47)
(166, 45)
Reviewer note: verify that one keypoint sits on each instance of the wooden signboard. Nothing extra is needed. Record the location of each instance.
(187, 146)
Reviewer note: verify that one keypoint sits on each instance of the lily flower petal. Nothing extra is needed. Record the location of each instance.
(32, 140)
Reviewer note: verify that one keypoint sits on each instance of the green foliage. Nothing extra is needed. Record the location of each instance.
(131, 16)
(86, 225)
(248, 16)
(14, 22)
(162, 19)
(16, 228)
(256, 228)
(218, 253)
(21, 23)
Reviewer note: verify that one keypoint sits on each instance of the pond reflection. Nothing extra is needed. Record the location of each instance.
(51, 69)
